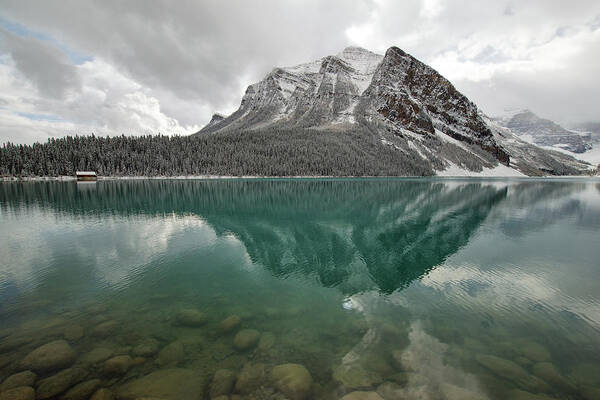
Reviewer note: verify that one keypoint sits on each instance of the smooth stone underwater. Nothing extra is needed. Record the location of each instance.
(51, 356)
(167, 384)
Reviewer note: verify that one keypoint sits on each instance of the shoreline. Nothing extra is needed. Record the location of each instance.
(258, 177)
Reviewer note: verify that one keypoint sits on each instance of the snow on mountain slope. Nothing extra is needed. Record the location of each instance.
(498, 171)
(543, 132)
(396, 98)
(534, 160)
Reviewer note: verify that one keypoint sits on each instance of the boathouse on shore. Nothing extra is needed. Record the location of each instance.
(86, 175)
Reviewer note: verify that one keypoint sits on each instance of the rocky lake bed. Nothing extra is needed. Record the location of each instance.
(162, 352)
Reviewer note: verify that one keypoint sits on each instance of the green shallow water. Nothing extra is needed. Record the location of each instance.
(416, 289)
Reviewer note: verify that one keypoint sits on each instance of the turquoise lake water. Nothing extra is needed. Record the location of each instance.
(406, 288)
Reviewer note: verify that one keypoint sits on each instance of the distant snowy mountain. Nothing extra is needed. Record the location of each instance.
(544, 132)
(592, 128)
(398, 101)
(591, 132)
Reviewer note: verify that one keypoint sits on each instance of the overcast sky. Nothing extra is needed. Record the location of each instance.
(138, 67)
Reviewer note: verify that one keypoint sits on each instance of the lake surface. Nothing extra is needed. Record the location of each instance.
(414, 289)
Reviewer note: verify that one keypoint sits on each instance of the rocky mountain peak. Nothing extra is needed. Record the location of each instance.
(358, 85)
(394, 98)
(356, 50)
(413, 96)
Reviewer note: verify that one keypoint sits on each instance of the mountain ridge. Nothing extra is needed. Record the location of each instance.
(544, 132)
(396, 98)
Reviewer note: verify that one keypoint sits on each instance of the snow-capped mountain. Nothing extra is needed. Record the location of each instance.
(544, 132)
(403, 103)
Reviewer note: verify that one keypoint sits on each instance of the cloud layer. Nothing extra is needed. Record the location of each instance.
(137, 67)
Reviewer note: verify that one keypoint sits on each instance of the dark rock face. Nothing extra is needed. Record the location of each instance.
(407, 113)
(416, 97)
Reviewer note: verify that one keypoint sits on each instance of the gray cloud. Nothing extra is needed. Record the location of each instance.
(196, 57)
(42, 63)
(569, 95)
(203, 52)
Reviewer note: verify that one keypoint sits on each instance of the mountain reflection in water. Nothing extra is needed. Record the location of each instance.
(416, 288)
(383, 233)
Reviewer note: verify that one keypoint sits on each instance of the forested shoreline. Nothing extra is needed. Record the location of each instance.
(273, 152)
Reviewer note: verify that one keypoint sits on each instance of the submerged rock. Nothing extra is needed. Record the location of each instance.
(246, 339)
(590, 393)
(118, 365)
(167, 384)
(97, 355)
(147, 348)
(230, 323)
(397, 359)
(293, 380)
(390, 391)
(51, 356)
(105, 329)
(25, 378)
(73, 333)
(474, 345)
(6, 359)
(533, 351)
(362, 396)
(190, 317)
(82, 391)
(250, 378)
(103, 394)
(548, 373)
(586, 374)
(13, 342)
(122, 351)
(512, 372)
(18, 393)
(138, 361)
(171, 355)
(60, 382)
(222, 383)
(523, 361)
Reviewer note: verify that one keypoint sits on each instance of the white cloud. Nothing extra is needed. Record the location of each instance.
(114, 250)
(537, 54)
(104, 102)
